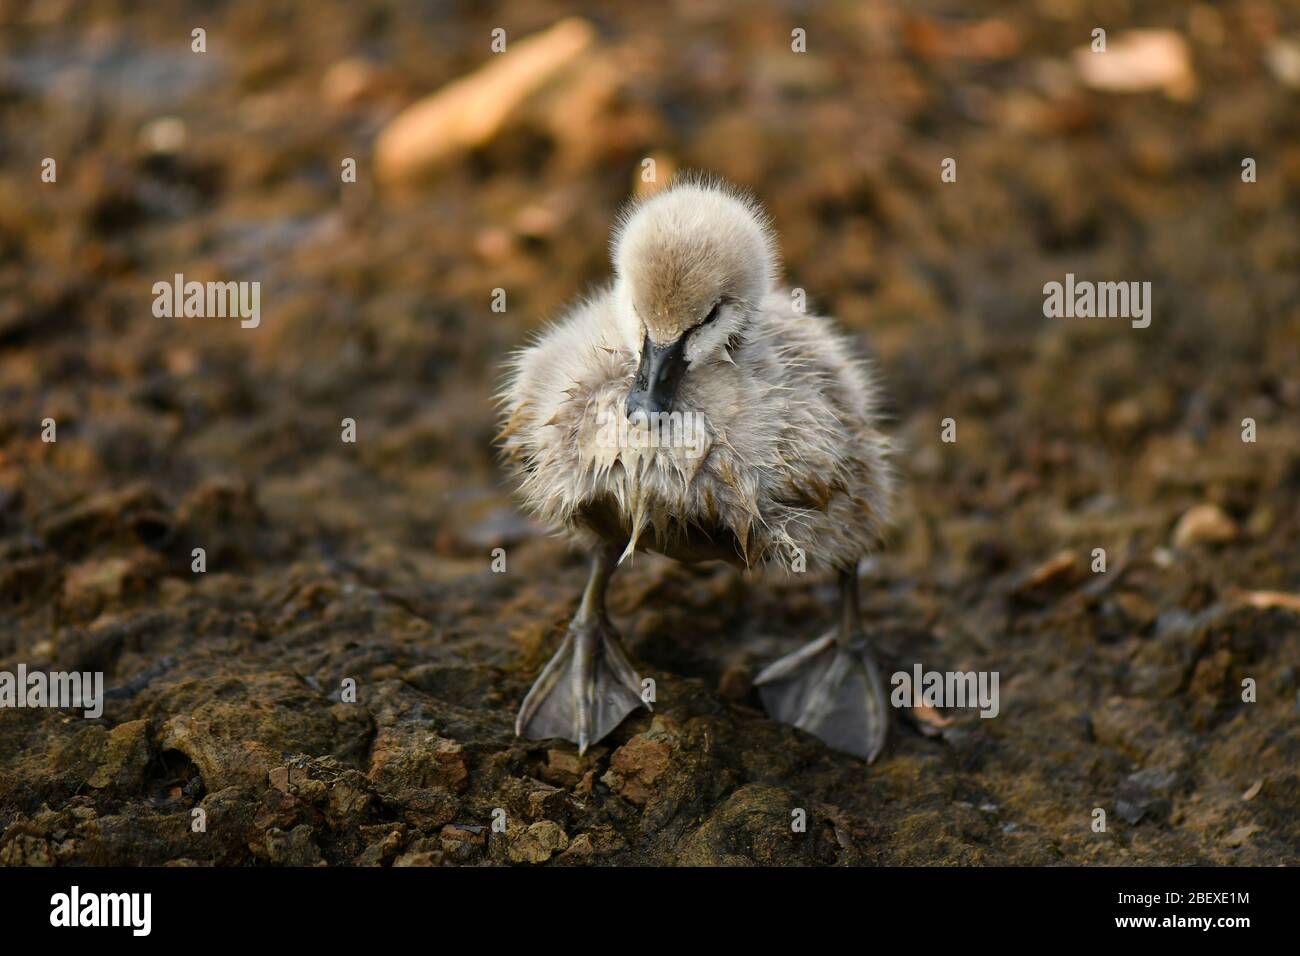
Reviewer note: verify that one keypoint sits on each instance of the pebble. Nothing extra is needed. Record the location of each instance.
(1204, 524)
(1139, 61)
(537, 843)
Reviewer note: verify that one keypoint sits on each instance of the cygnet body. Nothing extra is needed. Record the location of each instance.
(693, 409)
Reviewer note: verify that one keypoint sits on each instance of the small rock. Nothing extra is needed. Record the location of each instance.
(461, 843)
(1160, 666)
(735, 683)
(1147, 793)
(296, 847)
(1136, 608)
(25, 849)
(544, 801)
(563, 768)
(581, 845)
(1125, 417)
(279, 779)
(1241, 834)
(126, 756)
(421, 858)
(1283, 59)
(93, 585)
(600, 841)
(463, 833)
(427, 809)
(636, 766)
(1138, 61)
(1204, 524)
(350, 800)
(350, 81)
(1053, 575)
(379, 851)
(531, 799)
(537, 843)
(165, 135)
(411, 757)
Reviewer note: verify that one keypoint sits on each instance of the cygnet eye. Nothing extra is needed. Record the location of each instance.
(713, 313)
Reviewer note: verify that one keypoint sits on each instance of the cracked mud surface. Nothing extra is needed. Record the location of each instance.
(370, 561)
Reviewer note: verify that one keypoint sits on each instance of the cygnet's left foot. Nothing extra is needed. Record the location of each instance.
(589, 686)
(831, 687)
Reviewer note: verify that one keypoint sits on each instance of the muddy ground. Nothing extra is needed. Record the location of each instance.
(329, 561)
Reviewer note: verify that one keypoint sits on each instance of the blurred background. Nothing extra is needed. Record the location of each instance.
(478, 170)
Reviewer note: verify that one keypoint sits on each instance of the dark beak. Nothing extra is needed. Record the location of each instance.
(662, 367)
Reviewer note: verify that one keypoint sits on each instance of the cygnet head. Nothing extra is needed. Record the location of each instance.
(692, 264)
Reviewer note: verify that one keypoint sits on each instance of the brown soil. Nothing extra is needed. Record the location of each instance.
(370, 561)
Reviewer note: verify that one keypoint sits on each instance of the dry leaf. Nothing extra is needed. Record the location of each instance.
(1139, 61)
(1270, 599)
(469, 111)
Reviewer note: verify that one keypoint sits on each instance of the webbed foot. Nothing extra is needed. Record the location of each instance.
(831, 689)
(585, 691)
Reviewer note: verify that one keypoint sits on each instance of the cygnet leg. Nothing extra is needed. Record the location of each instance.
(831, 687)
(589, 686)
